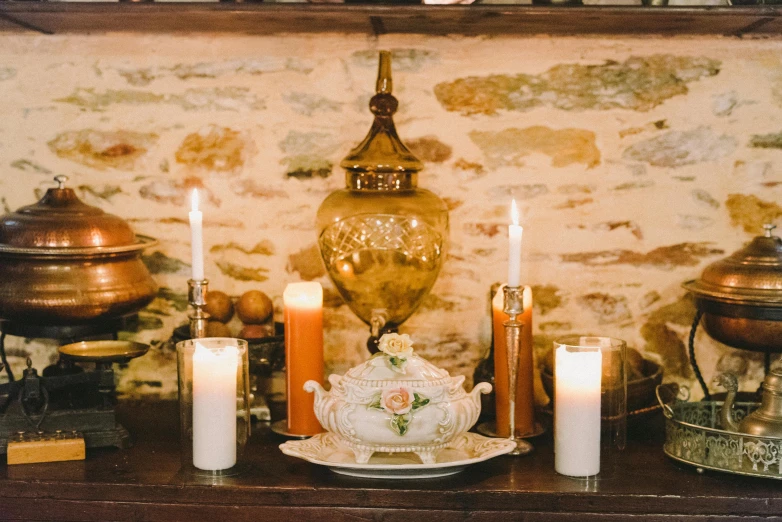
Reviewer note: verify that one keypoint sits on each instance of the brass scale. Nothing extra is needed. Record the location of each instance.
(73, 398)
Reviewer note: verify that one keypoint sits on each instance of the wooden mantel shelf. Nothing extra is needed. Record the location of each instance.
(276, 18)
(144, 483)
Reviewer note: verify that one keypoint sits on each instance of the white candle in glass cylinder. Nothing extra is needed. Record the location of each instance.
(214, 407)
(578, 375)
(196, 238)
(514, 247)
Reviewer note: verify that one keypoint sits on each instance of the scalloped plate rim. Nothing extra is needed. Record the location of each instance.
(504, 446)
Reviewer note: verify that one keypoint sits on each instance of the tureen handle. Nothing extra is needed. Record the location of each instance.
(768, 227)
(320, 393)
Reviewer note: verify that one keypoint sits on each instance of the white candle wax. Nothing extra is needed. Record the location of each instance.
(577, 411)
(214, 407)
(196, 239)
(514, 249)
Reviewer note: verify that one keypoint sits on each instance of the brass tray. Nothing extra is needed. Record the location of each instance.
(103, 351)
(692, 436)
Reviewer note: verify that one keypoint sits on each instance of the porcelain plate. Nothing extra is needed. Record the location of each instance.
(327, 449)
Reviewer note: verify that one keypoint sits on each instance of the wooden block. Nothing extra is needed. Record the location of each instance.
(54, 448)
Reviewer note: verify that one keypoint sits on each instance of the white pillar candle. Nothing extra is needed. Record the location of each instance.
(514, 249)
(214, 407)
(196, 239)
(578, 374)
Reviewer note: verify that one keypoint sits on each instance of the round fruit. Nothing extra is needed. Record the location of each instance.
(254, 307)
(219, 306)
(256, 331)
(217, 329)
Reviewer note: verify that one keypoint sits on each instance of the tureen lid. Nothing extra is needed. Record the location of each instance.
(752, 275)
(418, 371)
(397, 362)
(60, 220)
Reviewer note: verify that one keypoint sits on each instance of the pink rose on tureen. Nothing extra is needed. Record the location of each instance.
(398, 401)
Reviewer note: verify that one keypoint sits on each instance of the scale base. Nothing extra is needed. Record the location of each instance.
(99, 428)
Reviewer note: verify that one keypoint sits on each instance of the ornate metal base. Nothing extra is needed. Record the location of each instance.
(693, 436)
(489, 429)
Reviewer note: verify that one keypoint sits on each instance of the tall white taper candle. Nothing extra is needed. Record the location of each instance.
(196, 239)
(514, 249)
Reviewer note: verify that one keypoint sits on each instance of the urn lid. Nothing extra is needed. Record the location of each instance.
(397, 363)
(62, 223)
(751, 275)
(381, 161)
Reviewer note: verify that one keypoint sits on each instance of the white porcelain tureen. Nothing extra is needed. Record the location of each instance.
(396, 402)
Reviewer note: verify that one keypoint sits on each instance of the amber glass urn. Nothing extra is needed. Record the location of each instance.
(382, 238)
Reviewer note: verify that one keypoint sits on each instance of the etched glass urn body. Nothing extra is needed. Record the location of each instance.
(382, 238)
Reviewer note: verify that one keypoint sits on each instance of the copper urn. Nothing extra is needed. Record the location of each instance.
(63, 262)
(741, 296)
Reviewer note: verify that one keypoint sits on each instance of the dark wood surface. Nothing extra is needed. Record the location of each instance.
(144, 483)
(259, 18)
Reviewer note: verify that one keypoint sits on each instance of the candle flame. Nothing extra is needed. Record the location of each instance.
(194, 200)
(514, 212)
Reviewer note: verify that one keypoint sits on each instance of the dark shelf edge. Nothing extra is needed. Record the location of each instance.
(259, 18)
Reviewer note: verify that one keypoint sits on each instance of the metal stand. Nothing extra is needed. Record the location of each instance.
(196, 295)
(696, 369)
(514, 306)
(693, 363)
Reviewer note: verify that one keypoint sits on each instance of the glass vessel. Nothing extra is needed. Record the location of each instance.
(590, 404)
(214, 399)
(382, 238)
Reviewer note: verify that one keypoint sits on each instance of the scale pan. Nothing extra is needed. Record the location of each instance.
(103, 351)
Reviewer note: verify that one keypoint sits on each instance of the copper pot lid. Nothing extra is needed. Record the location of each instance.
(751, 275)
(62, 224)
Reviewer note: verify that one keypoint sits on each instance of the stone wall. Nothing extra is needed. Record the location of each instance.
(636, 163)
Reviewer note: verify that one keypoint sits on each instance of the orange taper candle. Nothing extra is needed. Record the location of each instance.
(303, 317)
(525, 401)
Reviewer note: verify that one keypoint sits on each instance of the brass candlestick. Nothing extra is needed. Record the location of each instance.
(514, 306)
(196, 295)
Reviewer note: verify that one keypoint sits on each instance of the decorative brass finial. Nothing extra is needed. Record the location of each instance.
(384, 82)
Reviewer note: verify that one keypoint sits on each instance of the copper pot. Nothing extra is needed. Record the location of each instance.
(741, 296)
(65, 262)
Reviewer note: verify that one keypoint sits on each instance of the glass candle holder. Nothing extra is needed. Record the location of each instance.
(590, 404)
(214, 404)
